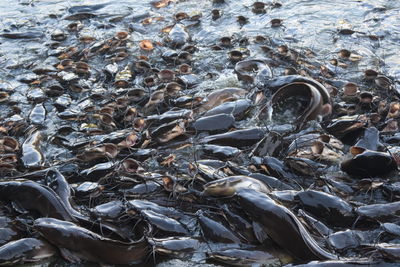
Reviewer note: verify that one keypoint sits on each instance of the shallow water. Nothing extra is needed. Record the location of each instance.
(307, 25)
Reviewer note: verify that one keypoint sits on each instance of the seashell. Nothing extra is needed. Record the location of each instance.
(366, 98)
(321, 148)
(65, 64)
(7, 168)
(168, 131)
(111, 69)
(121, 84)
(146, 45)
(36, 95)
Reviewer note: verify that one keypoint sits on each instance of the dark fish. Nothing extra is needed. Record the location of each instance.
(344, 240)
(23, 35)
(56, 181)
(25, 250)
(86, 8)
(9, 233)
(230, 185)
(344, 263)
(164, 223)
(237, 138)
(314, 107)
(32, 156)
(178, 36)
(318, 226)
(35, 197)
(282, 226)
(239, 224)
(38, 114)
(221, 152)
(236, 108)
(214, 123)
(248, 257)
(276, 83)
(379, 211)
(248, 69)
(109, 210)
(99, 170)
(331, 209)
(176, 246)
(80, 16)
(272, 182)
(90, 246)
(215, 231)
(369, 163)
(370, 140)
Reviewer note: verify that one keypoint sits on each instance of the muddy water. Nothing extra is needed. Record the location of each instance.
(317, 26)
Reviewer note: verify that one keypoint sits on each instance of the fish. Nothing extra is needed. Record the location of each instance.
(282, 226)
